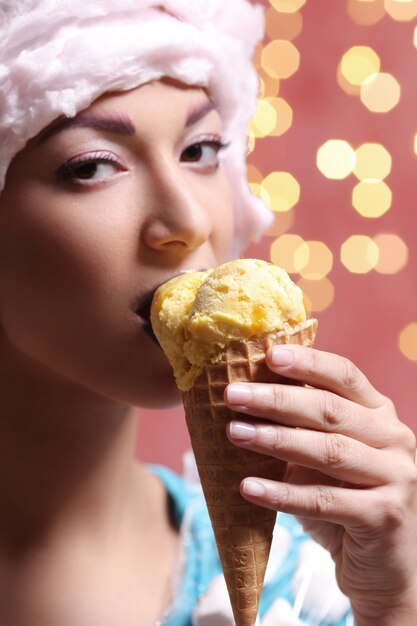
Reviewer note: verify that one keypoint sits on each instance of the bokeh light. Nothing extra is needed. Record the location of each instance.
(318, 294)
(380, 92)
(251, 142)
(401, 10)
(282, 223)
(265, 118)
(313, 260)
(283, 25)
(283, 251)
(268, 86)
(408, 341)
(393, 253)
(372, 198)
(366, 12)
(284, 115)
(336, 159)
(280, 59)
(287, 6)
(373, 162)
(359, 254)
(282, 189)
(359, 63)
(253, 174)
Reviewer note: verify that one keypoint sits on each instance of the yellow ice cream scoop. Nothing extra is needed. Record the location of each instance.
(196, 315)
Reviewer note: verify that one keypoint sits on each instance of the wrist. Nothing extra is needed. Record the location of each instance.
(401, 613)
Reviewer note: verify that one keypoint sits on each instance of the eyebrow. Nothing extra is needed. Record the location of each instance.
(200, 111)
(122, 125)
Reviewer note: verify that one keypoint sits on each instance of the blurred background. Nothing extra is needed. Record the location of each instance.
(333, 151)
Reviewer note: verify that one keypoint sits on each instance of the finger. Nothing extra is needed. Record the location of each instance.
(338, 456)
(325, 371)
(353, 508)
(313, 409)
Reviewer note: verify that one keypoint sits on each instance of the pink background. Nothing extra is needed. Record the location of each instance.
(369, 311)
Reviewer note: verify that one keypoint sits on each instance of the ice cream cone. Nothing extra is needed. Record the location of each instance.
(243, 531)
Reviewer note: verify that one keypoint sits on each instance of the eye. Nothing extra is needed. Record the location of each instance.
(204, 152)
(90, 167)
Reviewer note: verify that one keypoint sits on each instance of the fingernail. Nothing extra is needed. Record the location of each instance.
(242, 431)
(253, 488)
(239, 394)
(282, 356)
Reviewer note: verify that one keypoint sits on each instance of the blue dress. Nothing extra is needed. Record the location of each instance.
(300, 573)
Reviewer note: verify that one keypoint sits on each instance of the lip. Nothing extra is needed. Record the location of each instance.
(143, 306)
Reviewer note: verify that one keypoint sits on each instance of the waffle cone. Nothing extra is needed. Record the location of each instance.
(243, 531)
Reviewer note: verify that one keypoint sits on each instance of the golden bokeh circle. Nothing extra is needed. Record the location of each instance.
(253, 174)
(318, 294)
(282, 189)
(268, 86)
(393, 253)
(349, 88)
(366, 12)
(251, 142)
(401, 10)
(359, 254)
(408, 341)
(280, 59)
(359, 63)
(284, 115)
(380, 93)
(282, 223)
(313, 260)
(265, 119)
(336, 159)
(282, 25)
(372, 199)
(287, 6)
(283, 251)
(373, 162)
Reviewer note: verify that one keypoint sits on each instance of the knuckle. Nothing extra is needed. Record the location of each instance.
(335, 451)
(311, 363)
(280, 500)
(273, 438)
(389, 405)
(350, 375)
(407, 439)
(280, 397)
(391, 512)
(330, 410)
(323, 501)
(408, 474)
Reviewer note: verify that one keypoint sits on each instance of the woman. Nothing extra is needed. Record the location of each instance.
(116, 173)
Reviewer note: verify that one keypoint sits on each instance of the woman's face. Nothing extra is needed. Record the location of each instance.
(97, 211)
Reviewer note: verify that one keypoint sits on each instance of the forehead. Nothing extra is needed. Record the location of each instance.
(113, 112)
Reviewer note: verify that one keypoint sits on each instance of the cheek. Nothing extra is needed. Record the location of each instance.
(223, 217)
(52, 267)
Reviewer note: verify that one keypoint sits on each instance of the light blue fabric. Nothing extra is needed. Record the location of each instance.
(201, 563)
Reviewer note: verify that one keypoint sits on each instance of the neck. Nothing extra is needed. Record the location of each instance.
(66, 462)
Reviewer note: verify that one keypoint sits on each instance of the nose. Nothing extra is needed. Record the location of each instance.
(179, 219)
